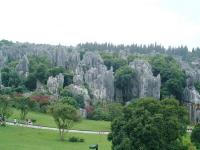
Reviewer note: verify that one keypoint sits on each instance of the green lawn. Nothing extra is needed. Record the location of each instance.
(47, 120)
(18, 138)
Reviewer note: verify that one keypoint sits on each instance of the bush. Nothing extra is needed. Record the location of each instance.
(81, 140)
(6, 91)
(76, 139)
(195, 136)
(106, 112)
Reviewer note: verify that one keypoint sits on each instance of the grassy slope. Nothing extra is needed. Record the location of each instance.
(17, 138)
(47, 120)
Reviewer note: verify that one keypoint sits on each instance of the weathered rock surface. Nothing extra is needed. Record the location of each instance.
(40, 87)
(148, 85)
(23, 66)
(191, 96)
(0, 81)
(72, 60)
(91, 59)
(60, 57)
(92, 73)
(3, 60)
(60, 79)
(80, 90)
(53, 84)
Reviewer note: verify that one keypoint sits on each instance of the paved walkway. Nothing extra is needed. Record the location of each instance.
(56, 129)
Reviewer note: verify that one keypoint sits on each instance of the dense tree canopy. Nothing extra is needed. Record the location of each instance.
(149, 124)
(195, 136)
(112, 60)
(173, 79)
(123, 81)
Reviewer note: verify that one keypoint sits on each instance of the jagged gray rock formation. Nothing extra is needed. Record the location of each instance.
(40, 87)
(64, 58)
(23, 66)
(91, 59)
(80, 90)
(92, 73)
(101, 82)
(60, 57)
(191, 96)
(148, 85)
(54, 83)
(60, 79)
(72, 60)
(3, 60)
(0, 80)
(78, 78)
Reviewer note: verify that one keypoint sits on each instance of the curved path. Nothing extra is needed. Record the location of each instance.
(56, 129)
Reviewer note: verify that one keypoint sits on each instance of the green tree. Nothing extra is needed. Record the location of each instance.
(64, 115)
(55, 71)
(111, 60)
(5, 78)
(68, 78)
(41, 73)
(195, 136)
(148, 124)
(14, 79)
(114, 110)
(173, 79)
(5, 107)
(197, 86)
(123, 81)
(78, 98)
(70, 101)
(35, 61)
(30, 82)
(23, 104)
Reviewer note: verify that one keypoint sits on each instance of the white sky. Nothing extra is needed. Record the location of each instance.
(169, 22)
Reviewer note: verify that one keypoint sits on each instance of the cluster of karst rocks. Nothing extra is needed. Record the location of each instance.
(92, 79)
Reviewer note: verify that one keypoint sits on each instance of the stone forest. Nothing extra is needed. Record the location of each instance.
(91, 77)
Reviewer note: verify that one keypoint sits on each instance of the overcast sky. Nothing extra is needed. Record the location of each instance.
(68, 22)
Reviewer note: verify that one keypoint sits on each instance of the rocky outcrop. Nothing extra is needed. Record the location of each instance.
(65, 58)
(101, 82)
(91, 60)
(40, 87)
(191, 96)
(92, 73)
(54, 83)
(23, 66)
(3, 60)
(60, 57)
(60, 79)
(80, 90)
(148, 85)
(72, 60)
(0, 81)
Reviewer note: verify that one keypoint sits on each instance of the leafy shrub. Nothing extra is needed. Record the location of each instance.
(76, 139)
(195, 136)
(81, 140)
